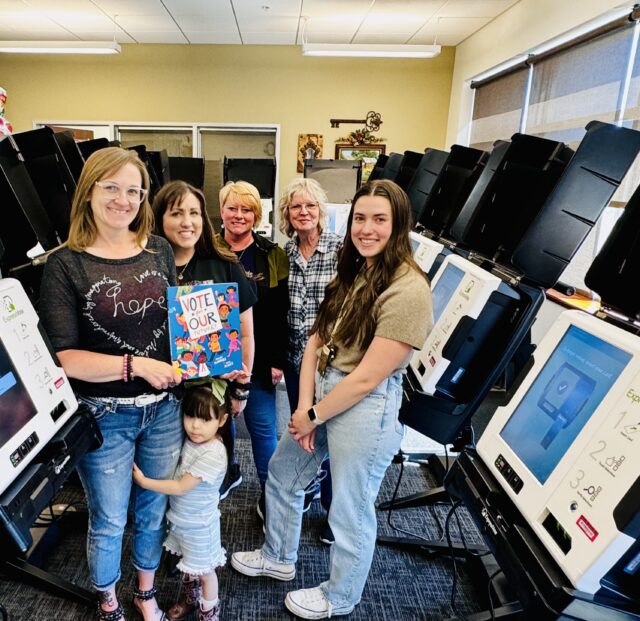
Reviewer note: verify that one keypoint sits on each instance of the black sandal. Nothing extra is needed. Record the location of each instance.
(111, 615)
(145, 596)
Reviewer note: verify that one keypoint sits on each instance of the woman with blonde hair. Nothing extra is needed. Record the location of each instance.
(103, 305)
(313, 255)
(267, 265)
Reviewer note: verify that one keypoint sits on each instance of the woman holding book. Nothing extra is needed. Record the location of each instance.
(181, 217)
(103, 305)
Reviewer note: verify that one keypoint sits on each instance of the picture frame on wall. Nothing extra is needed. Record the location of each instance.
(368, 153)
(309, 147)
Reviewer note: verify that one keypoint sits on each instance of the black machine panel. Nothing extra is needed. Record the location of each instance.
(160, 162)
(189, 169)
(71, 152)
(452, 188)
(424, 179)
(572, 209)
(49, 173)
(24, 220)
(512, 188)
(614, 272)
(260, 172)
(392, 166)
(378, 169)
(408, 166)
(87, 147)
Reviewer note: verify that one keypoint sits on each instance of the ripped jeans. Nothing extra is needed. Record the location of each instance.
(152, 436)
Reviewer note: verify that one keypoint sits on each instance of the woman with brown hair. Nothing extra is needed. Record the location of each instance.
(181, 217)
(375, 312)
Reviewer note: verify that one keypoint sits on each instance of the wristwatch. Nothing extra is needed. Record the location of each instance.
(313, 416)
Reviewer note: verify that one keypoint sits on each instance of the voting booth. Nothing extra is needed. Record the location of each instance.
(554, 481)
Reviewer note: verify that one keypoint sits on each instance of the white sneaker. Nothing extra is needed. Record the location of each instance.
(255, 564)
(311, 604)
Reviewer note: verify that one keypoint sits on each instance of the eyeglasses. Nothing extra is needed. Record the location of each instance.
(308, 206)
(133, 194)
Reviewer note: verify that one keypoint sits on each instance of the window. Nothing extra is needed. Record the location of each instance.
(497, 108)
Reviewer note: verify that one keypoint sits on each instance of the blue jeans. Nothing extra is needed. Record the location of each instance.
(292, 381)
(361, 443)
(260, 418)
(151, 436)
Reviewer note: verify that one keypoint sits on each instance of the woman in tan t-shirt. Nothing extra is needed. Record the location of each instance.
(376, 310)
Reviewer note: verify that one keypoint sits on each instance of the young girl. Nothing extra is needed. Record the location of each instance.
(193, 516)
(375, 312)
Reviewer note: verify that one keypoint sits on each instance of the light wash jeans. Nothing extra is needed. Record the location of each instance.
(151, 436)
(361, 443)
(260, 418)
(292, 381)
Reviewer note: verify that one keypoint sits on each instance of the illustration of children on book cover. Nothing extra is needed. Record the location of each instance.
(204, 329)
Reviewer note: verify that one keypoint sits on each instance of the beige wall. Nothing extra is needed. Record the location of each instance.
(237, 84)
(524, 26)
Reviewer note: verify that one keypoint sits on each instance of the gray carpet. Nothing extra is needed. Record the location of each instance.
(401, 585)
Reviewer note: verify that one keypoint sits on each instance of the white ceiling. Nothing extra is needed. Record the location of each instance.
(247, 22)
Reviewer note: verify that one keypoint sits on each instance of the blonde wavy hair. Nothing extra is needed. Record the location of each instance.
(313, 190)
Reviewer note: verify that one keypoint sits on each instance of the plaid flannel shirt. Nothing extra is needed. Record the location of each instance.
(307, 282)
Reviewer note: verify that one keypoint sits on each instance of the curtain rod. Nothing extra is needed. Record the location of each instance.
(616, 24)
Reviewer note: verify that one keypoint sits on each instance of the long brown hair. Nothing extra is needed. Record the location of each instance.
(100, 164)
(173, 193)
(358, 323)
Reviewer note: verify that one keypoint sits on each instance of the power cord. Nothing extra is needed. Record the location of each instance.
(454, 581)
(390, 510)
(45, 521)
(489, 585)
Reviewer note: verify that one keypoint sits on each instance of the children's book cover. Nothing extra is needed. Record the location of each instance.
(204, 329)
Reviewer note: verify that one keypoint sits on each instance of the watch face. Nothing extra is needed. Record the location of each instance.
(312, 414)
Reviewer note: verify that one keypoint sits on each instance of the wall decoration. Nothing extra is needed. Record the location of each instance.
(368, 153)
(309, 148)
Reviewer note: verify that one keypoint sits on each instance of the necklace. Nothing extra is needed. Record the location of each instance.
(183, 270)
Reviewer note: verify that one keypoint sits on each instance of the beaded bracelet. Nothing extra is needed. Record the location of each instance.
(130, 367)
(125, 376)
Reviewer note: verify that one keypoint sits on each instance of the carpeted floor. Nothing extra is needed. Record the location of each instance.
(402, 585)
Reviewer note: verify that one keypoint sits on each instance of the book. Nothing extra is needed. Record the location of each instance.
(204, 329)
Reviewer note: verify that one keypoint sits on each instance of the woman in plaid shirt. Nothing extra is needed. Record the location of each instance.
(313, 256)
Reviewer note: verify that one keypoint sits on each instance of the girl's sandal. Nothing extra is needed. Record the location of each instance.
(145, 596)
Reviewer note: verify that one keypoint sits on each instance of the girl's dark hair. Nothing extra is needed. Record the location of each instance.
(358, 323)
(200, 402)
(171, 194)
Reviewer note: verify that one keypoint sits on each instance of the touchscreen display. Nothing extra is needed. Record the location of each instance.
(16, 407)
(570, 386)
(445, 288)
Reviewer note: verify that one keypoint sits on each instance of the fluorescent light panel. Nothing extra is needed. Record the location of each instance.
(371, 51)
(59, 47)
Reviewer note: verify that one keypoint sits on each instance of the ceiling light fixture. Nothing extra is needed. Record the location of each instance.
(59, 47)
(371, 51)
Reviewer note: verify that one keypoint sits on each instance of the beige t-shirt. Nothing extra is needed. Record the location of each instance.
(404, 313)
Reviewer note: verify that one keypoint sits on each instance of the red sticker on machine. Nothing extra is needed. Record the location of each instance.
(59, 382)
(586, 528)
